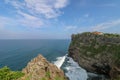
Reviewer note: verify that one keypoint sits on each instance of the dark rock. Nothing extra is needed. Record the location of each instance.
(97, 52)
(102, 69)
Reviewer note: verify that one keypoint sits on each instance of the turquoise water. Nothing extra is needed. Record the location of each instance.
(17, 53)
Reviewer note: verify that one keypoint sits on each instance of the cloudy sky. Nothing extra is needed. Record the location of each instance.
(57, 19)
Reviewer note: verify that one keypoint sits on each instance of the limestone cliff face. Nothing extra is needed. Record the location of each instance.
(97, 52)
(40, 69)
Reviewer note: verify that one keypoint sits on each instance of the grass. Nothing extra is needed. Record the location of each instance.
(7, 74)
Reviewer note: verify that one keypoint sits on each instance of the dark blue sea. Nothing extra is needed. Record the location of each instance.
(17, 53)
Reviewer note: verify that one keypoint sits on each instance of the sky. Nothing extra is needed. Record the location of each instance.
(57, 19)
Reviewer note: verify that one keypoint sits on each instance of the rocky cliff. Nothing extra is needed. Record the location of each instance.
(40, 69)
(97, 52)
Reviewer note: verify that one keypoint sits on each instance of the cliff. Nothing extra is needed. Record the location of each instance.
(40, 69)
(97, 52)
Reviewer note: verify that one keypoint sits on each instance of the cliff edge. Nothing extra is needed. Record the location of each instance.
(40, 69)
(97, 52)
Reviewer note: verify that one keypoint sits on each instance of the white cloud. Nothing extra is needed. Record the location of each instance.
(45, 8)
(41, 7)
(48, 8)
(35, 13)
(106, 25)
(5, 21)
(23, 19)
(2, 22)
(29, 20)
(61, 3)
(98, 27)
(15, 3)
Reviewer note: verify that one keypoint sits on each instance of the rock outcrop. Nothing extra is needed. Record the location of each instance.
(40, 69)
(98, 53)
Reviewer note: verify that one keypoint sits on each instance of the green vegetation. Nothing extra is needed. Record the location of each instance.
(7, 74)
(28, 77)
(91, 45)
(102, 47)
(48, 74)
(111, 35)
(58, 78)
(95, 44)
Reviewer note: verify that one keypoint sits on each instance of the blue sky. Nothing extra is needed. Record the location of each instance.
(57, 19)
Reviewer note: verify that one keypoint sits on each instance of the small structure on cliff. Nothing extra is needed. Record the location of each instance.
(97, 33)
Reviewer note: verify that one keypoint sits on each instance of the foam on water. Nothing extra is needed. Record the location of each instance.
(73, 71)
(60, 61)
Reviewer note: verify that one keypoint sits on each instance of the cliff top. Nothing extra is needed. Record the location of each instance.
(40, 69)
(110, 35)
(97, 52)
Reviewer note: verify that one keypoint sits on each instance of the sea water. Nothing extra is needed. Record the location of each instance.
(72, 70)
(17, 53)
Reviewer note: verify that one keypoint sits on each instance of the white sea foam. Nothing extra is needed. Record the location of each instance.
(73, 71)
(60, 61)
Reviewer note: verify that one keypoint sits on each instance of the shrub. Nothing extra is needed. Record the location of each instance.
(7, 74)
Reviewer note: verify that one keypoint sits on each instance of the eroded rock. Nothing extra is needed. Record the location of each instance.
(40, 69)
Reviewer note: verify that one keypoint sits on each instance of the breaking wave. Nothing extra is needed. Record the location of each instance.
(60, 61)
(72, 70)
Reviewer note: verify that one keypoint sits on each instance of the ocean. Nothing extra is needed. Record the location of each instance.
(17, 53)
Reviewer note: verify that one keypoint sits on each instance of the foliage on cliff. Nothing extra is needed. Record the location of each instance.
(98, 44)
(97, 52)
(7, 74)
(37, 69)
